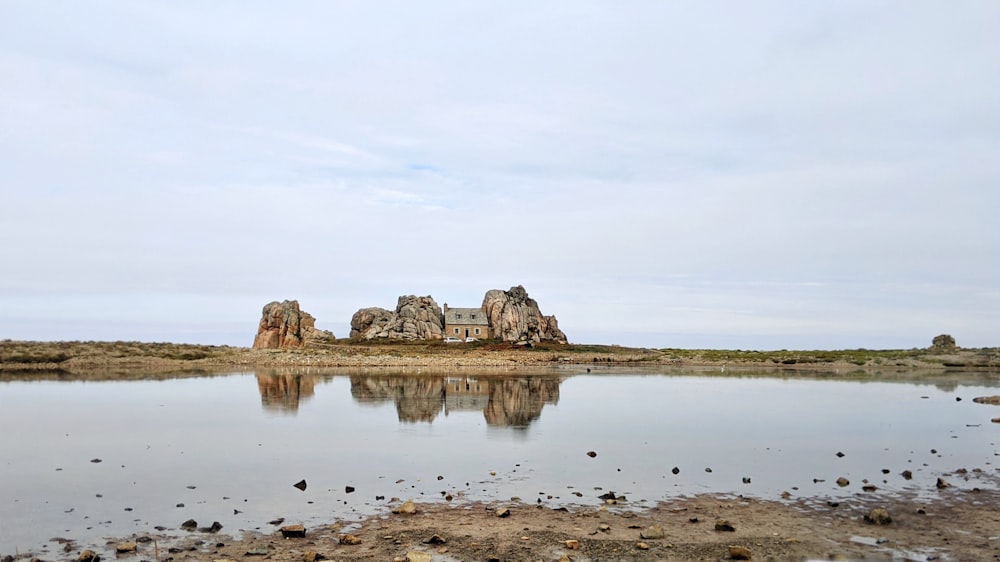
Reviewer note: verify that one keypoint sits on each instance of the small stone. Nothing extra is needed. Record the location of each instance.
(708, 469)
(840, 455)
(435, 539)
(503, 512)
(407, 508)
(591, 454)
(941, 484)
(675, 470)
(843, 482)
(88, 556)
(276, 522)
(214, 528)
(126, 547)
(642, 546)
(440, 477)
(417, 556)
(293, 531)
(604, 528)
(312, 557)
(724, 525)
(739, 553)
(572, 544)
(95, 461)
(301, 485)
(443, 550)
(746, 479)
(652, 532)
(878, 516)
(869, 488)
(886, 471)
(348, 489)
(906, 474)
(189, 525)
(349, 539)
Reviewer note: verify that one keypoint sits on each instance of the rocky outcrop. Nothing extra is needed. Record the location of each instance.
(944, 343)
(415, 318)
(515, 317)
(284, 324)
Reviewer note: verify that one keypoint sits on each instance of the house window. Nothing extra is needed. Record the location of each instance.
(477, 331)
(458, 315)
(456, 331)
(473, 315)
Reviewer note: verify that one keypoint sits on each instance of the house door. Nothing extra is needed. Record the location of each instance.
(466, 332)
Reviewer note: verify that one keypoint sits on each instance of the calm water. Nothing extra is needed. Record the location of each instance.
(230, 447)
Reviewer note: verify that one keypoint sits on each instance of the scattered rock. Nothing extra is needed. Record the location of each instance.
(724, 525)
(435, 539)
(301, 484)
(503, 512)
(572, 544)
(608, 496)
(95, 461)
(869, 488)
(313, 557)
(652, 532)
(88, 556)
(591, 454)
(293, 531)
(942, 484)
(126, 547)
(284, 325)
(214, 528)
(604, 528)
(906, 474)
(993, 400)
(348, 539)
(675, 470)
(642, 546)
(189, 525)
(277, 521)
(746, 479)
(843, 482)
(840, 454)
(739, 553)
(348, 489)
(708, 469)
(878, 516)
(417, 556)
(995, 420)
(406, 508)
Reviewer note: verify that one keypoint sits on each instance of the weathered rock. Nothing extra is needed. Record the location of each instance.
(406, 508)
(293, 531)
(417, 556)
(285, 325)
(415, 318)
(843, 482)
(503, 512)
(301, 484)
(942, 484)
(943, 344)
(214, 528)
(515, 317)
(591, 454)
(126, 547)
(312, 556)
(88, 556)
(349, 539)
(739, 553)
(435, 539)
(652, 532)
(642, 546)
(906, 474)
(878, 516)
(572, 544)
(189, 525)
(724, 525)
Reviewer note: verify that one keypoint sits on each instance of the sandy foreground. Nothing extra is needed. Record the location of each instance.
(956, 525)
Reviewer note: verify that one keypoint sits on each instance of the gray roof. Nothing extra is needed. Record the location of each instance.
(473, 316)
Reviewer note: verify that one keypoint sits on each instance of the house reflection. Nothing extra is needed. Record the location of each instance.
(503, 401)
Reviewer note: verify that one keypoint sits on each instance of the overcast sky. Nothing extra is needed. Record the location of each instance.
(757, 175)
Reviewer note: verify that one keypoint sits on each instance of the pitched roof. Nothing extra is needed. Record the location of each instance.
(473, 316)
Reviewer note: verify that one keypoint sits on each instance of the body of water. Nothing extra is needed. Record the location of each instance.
(91, 460)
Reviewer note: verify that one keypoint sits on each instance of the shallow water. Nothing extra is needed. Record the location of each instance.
(229, 448)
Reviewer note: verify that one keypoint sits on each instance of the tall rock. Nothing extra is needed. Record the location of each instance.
(515, 317)
(284, 324)
(415, 318)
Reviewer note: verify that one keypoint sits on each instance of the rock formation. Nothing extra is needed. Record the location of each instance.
(283, 324)
(515, 317)
(415, 318)
(943, 344)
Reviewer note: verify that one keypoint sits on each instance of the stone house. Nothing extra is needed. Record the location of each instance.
(464, 323)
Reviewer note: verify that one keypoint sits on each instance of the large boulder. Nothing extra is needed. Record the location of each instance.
(943, 343)
(415, 318)
(284, 324)
(515, 317)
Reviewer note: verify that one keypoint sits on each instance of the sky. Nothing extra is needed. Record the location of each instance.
(701, 174)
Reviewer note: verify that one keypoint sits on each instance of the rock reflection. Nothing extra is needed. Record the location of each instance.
(503, 401)
(282, 393)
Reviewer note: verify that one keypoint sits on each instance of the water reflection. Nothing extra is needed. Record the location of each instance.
(504, 402)
(282, 393)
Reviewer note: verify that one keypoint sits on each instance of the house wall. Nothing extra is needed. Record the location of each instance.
(483, 332)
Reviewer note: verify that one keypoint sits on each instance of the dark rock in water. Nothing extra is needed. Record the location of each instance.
(833, 504)
(958, 399)
(293, 531)
(818, 480)
(301, 484)
(180, 505)
(885, 471)
(840, 454)
(608, 496)
(869, 488)
(843, 482)
(348, 489)
(941, 484)
(675, 470)
(440, 477)
(88, 556)
(95, 461)
(708, 469)
(591, 454)
(878, 516)
(906, 474)
(746, 479)
(652, 532)
(379, 498)
(189, 525)
(215, 528)
(724, 525)
(277, 521)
